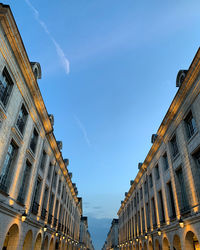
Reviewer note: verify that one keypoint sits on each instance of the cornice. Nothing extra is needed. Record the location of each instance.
(181, 94)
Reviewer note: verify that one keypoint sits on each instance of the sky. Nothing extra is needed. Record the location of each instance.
(109, 72)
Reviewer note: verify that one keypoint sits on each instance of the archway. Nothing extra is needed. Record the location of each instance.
(191, 241)
(12, 238)
(145, 246)
(51, 247)
(177, 243)
(140, 246)
(46, 243)
(166, 244)
(157, 245)
(27, 245)
(38, 242)
(150, 245)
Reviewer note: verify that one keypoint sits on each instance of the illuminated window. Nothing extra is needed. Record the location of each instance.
(25, 183)
(174, 146)
(7, 170)
(6, 85)
(190, 125)
(34, 139)
(21, 120)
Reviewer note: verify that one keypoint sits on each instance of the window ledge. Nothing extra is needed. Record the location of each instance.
(192, 137)
(175, 157)
(31, 154)
(17, 134)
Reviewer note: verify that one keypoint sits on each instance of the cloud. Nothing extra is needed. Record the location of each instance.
(59, 50)
(83, 130)
(97, 207)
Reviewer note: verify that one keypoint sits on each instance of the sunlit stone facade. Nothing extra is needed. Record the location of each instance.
(39, 207)
(112, 241)
(162, 208)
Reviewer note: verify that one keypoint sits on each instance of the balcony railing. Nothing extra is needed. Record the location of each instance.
(43, 213)
(35, 207)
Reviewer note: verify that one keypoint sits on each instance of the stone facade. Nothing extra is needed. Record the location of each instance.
(39, 207)
(112, 236)
(162, 210)
(85, 240)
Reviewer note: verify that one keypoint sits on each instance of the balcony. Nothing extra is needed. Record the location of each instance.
(50, 219)
(43, 213)
(35, 207)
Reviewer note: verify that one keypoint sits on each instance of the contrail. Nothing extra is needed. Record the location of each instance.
(82, 128)
(60, 52)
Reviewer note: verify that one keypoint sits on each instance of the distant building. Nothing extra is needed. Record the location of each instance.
(162, 208)
(85, 239)
(39, 207)
(112, 237)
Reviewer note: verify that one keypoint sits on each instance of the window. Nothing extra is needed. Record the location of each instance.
(145, 187)
(54, 179)
(6, 85)
(197, 159)
(157, 172)
(141, 194)
(190, 125)
(161, 207)
(49, 171)
(182, 195)
(153, 212)
(174, 146)
(166, 165)
(171, 200)
(44, 204)
(36, 199)
(21, 120)
(34, 139)
(7, 169)
(43, 160)
(147, 215)
(150, 180)
(137, 197)
(25, 183)
(135, 201)
(59, 187)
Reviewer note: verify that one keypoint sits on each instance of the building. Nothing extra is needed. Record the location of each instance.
(112, 242)
(39, 207)
(161, 210)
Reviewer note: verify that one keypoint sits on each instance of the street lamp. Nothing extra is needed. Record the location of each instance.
(24, 216)
(45, 228)
(137, 239)
(159, 232)
(146, 236)
(181, 223)
(56, 234)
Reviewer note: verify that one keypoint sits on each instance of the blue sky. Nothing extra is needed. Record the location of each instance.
(108, 76)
